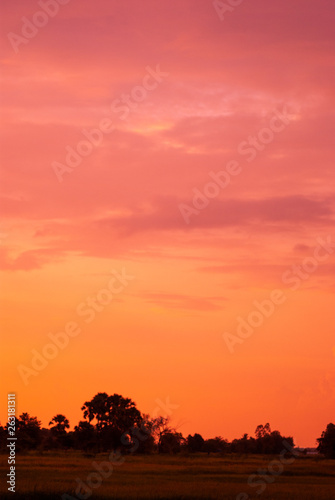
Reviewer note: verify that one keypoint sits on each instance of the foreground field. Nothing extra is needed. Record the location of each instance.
(48, 476)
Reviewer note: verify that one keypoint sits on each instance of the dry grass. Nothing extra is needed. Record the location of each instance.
(50, 475)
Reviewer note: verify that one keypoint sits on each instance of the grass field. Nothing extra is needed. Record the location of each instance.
(50, 475)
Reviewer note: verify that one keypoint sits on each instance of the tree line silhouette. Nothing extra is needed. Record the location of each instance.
(114, 423)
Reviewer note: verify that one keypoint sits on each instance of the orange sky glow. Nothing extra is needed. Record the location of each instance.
(167, 200)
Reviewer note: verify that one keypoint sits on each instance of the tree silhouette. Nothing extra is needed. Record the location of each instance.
(84, 436)
(59, 437)
(160, 426)
(327, 442)
(170, 442)
(115, 417)
(215, 445)
(195, 443)
(262, 431)
(97, 409)
(3, 437)
(114, 422)
(28, 431)
(142, 438)
(61, 424)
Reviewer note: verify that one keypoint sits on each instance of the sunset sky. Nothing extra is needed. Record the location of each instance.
(187, 92)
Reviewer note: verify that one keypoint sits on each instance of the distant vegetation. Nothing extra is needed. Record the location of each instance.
(114, 423)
